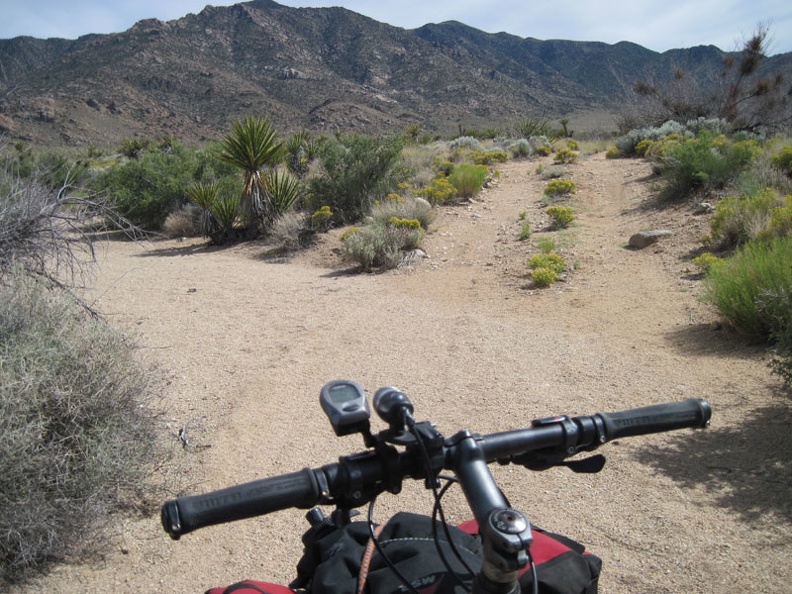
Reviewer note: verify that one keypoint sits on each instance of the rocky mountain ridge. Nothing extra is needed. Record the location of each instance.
(322, 69)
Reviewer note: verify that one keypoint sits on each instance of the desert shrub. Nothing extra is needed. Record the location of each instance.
(520, 149)
(778, 304)
(148, 188)
(705, 261)
(546, 245)
(572, 145)
(321, 218)
(781, 219)
(490, 156)
(411, 231)
(783, 160)
(380, 246)
(52, 169)
(349, 233)
(292, 231)
(552, 172)
(565, 155)
(408, 207)
(543, 277)
(562, 216)
(440, 191)
(443, 167)
(550, 261)
(560, 187)
(356, 172)
(468, 179)
(750, 290)
(543, 150)
(613, 153)
(739, 219)
(705, 163)
(627, 143)
(642, 147)
(47, 232)
(75, 437)
(466, 143)
(184, 222)
(525, 231)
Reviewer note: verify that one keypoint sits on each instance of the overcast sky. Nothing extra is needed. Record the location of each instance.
(655, 24)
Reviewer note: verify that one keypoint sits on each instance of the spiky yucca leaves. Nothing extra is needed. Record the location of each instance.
(205, 194)
(284, 190)
(296, 155)
(251, 146)
(218, 214)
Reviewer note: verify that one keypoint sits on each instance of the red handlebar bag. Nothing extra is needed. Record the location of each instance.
(333, 558)
(251, 587)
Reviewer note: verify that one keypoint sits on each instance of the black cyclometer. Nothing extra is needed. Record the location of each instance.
(344, 402)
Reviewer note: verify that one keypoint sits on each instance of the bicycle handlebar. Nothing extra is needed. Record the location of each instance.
(357, 479)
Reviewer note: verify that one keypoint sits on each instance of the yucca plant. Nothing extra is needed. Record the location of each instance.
(284, 190)
(225, 211)
(251, 146)
(205, 195)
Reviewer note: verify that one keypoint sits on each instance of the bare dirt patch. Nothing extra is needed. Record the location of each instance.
(248, 341)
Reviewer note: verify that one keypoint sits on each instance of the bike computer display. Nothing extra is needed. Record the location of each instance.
(344, 402)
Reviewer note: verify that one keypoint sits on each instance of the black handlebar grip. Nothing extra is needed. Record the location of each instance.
(693, 412)
(185, 514)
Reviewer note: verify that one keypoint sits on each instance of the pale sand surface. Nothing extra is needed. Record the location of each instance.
(246, 341)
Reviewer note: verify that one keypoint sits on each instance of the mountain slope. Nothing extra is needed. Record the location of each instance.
(325, 69)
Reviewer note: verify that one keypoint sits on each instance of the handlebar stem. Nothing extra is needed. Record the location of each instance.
(505, 532)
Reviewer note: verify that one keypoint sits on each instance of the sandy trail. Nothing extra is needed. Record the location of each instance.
(246, 343)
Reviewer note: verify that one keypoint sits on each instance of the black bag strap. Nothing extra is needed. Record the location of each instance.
(244, 586)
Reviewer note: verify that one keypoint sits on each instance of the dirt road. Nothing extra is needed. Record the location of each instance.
(246, 342)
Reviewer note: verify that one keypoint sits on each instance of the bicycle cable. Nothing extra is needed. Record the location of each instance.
(382, 552)
(437, 508)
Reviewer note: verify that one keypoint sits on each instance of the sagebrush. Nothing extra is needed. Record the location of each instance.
(76, 439)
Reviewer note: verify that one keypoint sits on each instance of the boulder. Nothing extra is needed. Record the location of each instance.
(643, 239)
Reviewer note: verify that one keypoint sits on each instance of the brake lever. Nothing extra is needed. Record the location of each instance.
(542, 461)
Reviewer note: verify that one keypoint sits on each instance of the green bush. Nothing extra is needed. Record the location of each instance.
(544, 277)
(75, 438)
(783, 160)
(551, 261)
(565, 155)
(525, 231)
(703, 164)
(562, 216)
(613, 153)
(320, 219)
(560, 187)
(739, 219)
(489, 156)
(749, 288)
(468, 179)
(705, 261)
(356, 172)
(146, 189)
(440, 191)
